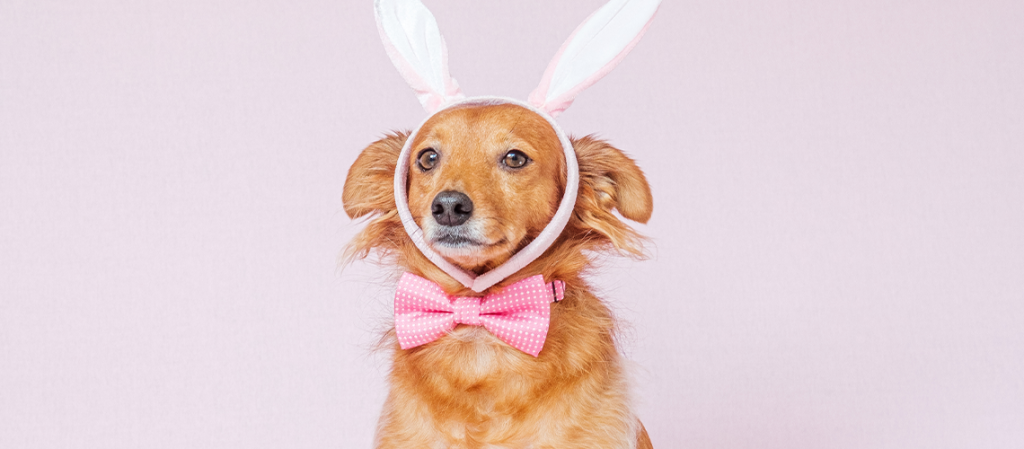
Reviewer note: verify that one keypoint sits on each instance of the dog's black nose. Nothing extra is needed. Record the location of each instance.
(451, 208)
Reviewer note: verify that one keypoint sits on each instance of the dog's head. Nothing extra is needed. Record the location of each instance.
(483, 182)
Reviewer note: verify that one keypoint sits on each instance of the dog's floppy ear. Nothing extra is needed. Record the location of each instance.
(369, 186)
(611, 180)
(614, 178)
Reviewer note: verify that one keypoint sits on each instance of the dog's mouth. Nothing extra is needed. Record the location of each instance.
(464, 247)
(454, 240)
(458, 241)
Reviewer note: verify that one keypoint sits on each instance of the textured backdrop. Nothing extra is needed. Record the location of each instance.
(838, 235)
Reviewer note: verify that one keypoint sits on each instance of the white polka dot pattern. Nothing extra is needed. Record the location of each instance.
(519, 314)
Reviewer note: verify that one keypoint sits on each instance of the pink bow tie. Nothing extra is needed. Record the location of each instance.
(519, 314)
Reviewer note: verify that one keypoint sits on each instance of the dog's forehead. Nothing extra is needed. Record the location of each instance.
(473, 125)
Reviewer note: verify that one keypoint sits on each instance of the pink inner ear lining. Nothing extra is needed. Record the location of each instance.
(430, 97)
(558, 104)
(540, 97)
(528, 254)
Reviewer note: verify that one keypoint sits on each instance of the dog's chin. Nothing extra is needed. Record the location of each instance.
(471, 254)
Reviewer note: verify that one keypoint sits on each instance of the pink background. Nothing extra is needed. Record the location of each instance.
(838, 235)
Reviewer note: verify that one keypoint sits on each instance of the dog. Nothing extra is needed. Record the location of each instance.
(483, 181)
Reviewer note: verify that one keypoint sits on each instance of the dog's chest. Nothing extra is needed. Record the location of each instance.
(477, 356)
(472, 368)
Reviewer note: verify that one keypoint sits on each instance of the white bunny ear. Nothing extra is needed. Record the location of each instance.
(415, 45)
(593, 50)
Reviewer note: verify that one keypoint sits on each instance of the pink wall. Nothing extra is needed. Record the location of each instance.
(838, 245)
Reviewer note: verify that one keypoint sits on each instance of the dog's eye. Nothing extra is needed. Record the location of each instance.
(515, 159)
(427, 159)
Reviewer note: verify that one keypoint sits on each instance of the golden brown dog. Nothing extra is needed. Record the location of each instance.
(498, 173)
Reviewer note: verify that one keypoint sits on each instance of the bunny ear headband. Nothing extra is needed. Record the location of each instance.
(415, 45)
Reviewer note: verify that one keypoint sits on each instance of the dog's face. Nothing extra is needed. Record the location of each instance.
(483, 181)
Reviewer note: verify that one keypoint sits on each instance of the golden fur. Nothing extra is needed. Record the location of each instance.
(468, 389)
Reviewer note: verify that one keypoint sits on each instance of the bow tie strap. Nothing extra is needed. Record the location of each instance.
(558, 290)
(519, 314)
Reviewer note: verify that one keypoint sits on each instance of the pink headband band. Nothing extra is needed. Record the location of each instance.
(416, 47)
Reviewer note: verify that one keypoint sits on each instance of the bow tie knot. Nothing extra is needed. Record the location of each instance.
(518, 315)
(467, 310)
